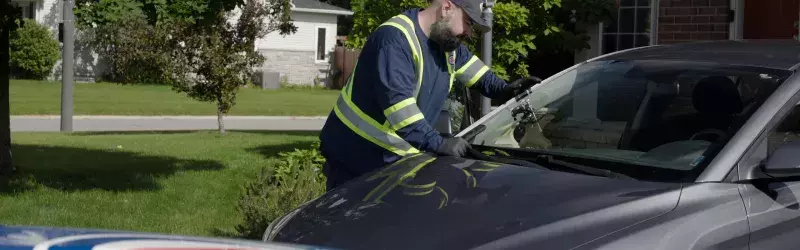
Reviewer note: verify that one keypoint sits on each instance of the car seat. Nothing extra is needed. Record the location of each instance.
(717, 101)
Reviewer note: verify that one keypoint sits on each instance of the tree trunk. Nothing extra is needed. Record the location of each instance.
(5, 124)
(220, 121)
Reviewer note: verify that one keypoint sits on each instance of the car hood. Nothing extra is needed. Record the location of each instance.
(42, 238)
(462, 203)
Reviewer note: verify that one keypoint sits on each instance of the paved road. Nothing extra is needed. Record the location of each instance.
(165, 123)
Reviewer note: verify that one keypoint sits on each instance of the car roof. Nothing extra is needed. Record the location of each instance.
(777, 54)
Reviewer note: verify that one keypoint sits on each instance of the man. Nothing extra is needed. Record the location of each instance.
(399, 85)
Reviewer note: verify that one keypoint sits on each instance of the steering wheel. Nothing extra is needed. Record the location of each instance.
(717, 132)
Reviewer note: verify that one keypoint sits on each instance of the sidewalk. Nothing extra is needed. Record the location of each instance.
(164, 123)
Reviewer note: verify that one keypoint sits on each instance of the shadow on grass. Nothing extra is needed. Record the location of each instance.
(76, 169)
(149, 132)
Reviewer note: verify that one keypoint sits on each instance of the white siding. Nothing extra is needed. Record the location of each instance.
(49, 12)
(305, 39)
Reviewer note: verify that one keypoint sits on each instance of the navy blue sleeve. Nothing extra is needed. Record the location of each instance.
(489, 84)
(395, 83)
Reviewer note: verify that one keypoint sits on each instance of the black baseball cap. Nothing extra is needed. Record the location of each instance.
(474, 8)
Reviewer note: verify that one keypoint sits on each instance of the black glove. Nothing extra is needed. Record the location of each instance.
(453, 146)
(519, 86)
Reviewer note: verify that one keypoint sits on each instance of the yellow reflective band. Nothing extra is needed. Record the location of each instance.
(398, 106)
(443, 203)
(372, 139)
(420, 193)
(418, 190)
(390, 169)
(391, 141)
(408, 121)
(477, 76)
(421, 186)
(471, 71)
(402, 114)
(466, 65)
(407, 27)
(470, 177)
(402, 29)
(395, 178)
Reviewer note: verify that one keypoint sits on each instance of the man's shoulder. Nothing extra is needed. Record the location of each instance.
(387, 34)
(390, 33)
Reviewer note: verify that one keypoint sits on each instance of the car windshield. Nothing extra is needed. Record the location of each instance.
(653, 119)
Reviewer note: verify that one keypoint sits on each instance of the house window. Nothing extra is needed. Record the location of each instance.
(632, 28)
(321, 35)
(28, 9)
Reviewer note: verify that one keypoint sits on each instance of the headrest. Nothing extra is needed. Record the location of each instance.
(717, 96)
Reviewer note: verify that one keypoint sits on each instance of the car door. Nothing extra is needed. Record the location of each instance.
(772, 203)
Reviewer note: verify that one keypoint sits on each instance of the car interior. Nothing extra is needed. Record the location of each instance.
(667, 116)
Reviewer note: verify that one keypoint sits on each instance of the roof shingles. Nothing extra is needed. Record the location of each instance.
(315, 4)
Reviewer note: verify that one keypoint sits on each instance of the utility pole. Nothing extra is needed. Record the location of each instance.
(486, 52)
(67, 62)
(8, 17)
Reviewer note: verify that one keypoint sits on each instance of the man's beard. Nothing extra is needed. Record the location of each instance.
(442, 33)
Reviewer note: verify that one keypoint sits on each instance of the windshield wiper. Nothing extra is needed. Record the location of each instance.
(584, 169)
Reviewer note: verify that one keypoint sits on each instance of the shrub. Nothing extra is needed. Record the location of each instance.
(135, 50)
(295, 179)
(34, 52)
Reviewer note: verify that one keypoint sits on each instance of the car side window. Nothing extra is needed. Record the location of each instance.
(787, 130)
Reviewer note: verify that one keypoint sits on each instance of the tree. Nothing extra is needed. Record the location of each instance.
(120, 31)
(516, 25)
(10, 17)
(216, 57)
(201, 48)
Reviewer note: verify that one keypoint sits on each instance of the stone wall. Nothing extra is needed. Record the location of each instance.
(295, 67)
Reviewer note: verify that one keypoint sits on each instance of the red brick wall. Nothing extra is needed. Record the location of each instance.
(692, 20)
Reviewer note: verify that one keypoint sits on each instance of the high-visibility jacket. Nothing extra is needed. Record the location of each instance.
(394, 96)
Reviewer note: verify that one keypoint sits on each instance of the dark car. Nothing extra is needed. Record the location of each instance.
(685, 146)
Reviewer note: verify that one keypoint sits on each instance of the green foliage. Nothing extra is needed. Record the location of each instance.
(194, 45)
(118, 30)
(575, 17)
(107, 12)
(516, 25)
(134, 50)
(519, 27)
(294, 163)
(368, 14)
(33, 51)
(214, 58)
(294, 180)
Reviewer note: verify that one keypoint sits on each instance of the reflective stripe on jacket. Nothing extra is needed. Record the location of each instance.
(391, 101)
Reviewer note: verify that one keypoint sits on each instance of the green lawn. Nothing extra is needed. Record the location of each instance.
(171, 182)
(44, 98)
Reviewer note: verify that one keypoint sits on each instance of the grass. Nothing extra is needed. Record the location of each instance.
(173, 182)
(44, 98)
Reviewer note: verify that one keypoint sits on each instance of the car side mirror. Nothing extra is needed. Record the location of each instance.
(784, 162)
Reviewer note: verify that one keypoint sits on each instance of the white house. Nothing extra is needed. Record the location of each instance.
(300, 58)
(304, 56)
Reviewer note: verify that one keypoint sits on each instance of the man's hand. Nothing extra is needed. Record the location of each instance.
(520, 85)
(453, 146)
